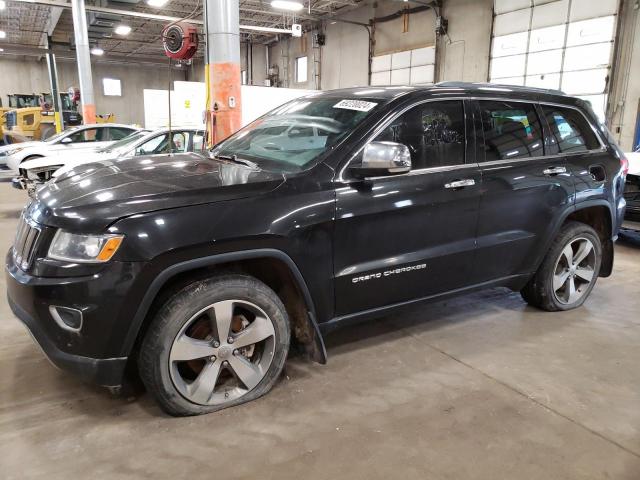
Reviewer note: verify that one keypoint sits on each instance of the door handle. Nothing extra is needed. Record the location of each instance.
(468, 182)
(554, 170)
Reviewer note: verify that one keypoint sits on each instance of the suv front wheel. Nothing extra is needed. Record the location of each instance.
(568, 272)
(215, 344)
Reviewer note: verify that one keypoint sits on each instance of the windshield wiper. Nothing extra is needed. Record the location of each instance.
(234, 158)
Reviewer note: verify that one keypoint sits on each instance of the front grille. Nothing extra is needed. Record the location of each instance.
(24, 247)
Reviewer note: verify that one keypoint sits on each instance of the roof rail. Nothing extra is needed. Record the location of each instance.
(498, 85)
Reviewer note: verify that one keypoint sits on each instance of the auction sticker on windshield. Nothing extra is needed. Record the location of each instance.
(359, 105)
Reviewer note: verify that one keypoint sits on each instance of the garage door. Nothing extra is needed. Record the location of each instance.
(408, 67)
(561, 44)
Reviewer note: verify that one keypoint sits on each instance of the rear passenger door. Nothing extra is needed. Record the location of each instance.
(572, 137)
(524, 188)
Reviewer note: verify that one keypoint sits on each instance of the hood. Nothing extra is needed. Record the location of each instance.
(95, 195)
(76, 159)
(4, 149)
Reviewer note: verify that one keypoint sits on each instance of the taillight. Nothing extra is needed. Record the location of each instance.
(624, 165)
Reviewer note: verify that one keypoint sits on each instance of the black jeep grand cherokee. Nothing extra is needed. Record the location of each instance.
(335, 207)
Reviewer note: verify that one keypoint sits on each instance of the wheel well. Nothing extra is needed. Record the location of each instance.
(598, 218)
(273, 272)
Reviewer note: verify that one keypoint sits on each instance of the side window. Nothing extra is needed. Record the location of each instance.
(180, 142)
(87, 135)
(433, 131)
(198, 141)
(511, 130)
(154, 145)
(570, 131)
(119, 133)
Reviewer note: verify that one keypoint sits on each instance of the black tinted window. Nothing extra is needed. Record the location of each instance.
(570, 131)
(511, 130)
(119, 133)
(433, 131)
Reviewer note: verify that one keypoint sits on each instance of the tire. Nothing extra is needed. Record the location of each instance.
(571, 243)
(190, 369)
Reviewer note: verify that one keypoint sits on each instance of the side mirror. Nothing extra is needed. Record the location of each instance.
(66, 140)
(383, 158)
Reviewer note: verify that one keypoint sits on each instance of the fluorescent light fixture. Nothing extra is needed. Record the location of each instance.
(3, 4)
(157, 3)
(287, 5)
(1, 49)
(123, 30)
(3, 34)
(97, 51)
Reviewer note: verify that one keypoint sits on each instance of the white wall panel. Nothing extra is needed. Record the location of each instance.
(544, 62)
(504, 6)
(381, 78)
(591, 31)
(507, 66)
(511, 22)
(587, 57)
(401, 60)
(548, 38)
(423, 56)
(401, 76)
(548, 80)
(583, 9)
(553, 13)
(381, 63)
(422, 75)
(512, 44)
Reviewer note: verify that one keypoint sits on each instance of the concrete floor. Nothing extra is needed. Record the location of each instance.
(480, 387)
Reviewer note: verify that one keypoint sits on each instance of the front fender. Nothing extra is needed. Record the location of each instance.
(316, 349)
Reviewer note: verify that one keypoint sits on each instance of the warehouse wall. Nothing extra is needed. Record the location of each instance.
(463, 54)
(624, 103)
(29, 75)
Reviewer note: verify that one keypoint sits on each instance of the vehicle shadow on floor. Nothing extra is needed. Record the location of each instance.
(629, 238)
(96, 401)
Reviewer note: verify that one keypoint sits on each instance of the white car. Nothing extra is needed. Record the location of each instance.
(80, 138)
(36, 172)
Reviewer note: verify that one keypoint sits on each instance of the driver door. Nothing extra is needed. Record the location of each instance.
(409, 236)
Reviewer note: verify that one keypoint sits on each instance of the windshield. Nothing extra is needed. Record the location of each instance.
(124, 141)
(58, 136)
(291, 137)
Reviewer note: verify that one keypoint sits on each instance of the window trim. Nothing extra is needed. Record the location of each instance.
(341, 179)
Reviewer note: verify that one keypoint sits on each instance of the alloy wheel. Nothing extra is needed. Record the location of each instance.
(222, 352)
(574, 271)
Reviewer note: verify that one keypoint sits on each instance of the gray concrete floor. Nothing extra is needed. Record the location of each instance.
(479, 387)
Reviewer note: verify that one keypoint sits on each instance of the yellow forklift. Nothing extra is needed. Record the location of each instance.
(32, 115)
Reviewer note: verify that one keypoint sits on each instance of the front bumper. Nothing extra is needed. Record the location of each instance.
(108, 372)
(95, 352)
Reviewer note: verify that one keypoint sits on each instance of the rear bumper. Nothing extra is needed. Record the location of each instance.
(107, 372)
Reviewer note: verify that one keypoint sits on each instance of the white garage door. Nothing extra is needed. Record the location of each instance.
(410, 67)
(560, 44)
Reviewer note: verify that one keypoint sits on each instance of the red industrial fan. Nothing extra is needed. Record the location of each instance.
(180, 41)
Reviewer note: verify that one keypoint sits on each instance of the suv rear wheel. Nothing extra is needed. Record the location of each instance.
(215, 344)
(568, 272)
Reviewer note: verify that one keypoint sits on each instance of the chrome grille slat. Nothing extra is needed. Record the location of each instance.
(24, 247)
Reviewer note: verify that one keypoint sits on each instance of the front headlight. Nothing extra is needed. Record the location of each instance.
(72, 247)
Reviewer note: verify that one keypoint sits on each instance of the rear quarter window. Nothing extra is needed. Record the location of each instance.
(570, 130)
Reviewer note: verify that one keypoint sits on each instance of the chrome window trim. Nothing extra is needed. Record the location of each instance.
(384, 125)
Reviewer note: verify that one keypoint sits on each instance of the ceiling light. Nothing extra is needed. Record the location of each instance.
(1, 49)
(3, 34)
(287, 5)
(123, 30)
(3, 4)
(97, 51)
(157, 3)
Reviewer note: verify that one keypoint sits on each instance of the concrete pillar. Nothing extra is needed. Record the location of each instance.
(84, 61)
(55, 91)
(223, 77)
